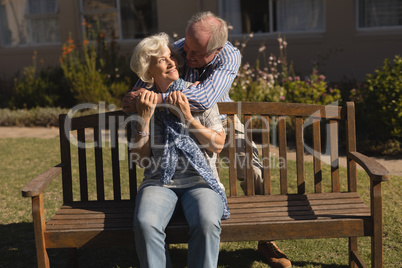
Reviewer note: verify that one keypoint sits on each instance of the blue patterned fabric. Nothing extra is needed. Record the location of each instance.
(177, 140)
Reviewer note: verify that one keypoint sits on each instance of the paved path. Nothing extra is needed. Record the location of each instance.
(394, 165)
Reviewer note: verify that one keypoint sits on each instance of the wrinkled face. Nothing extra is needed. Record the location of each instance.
(195, 46)
(164, 69)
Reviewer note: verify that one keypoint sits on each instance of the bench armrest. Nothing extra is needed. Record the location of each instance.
(375, 170)
(38, 184)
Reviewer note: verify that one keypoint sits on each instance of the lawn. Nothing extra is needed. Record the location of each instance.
(23, 159)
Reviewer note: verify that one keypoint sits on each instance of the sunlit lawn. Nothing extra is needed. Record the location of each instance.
(23, 159)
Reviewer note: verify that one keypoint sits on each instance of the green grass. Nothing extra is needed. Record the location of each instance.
(23, 159)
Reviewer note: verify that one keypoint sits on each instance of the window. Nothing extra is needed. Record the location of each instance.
(379, 13)
(29, 22)
(270, 16)
(124, 19)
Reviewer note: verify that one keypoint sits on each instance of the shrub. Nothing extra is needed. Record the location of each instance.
(36, 117)
(93, 70)
(313, 90)
(278, 82)
(254, 84)
(88, 84)
(379, 101)
(40, 88)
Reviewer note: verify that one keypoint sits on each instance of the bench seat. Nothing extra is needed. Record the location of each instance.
(336, 214)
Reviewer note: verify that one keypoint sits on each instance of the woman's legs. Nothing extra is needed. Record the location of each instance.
(203, 209)
(154, 208)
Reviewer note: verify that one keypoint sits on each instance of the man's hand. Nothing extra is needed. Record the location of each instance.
(179, 105)
(129, 100)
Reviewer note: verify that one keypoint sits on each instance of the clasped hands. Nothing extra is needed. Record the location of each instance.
(146, 102)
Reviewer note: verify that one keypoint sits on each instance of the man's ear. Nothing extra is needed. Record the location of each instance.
(218, 50)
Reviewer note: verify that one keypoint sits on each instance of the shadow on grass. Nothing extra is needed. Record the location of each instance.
(316, 264)
(17, 245)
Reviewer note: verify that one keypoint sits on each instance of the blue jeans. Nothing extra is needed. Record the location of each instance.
(155, 205)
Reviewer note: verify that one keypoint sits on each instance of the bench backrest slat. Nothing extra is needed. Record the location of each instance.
(65, 153)
(249, 154)
(100, 182)
(301, 185)
(334, 147)
(351, 146)
(283, 172)
(114, 144)
(82, 160)
(317, 155)
(232, 153)
(266, 156)
(132, 167)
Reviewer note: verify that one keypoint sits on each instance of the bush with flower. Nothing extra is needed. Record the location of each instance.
(91, 68)
(278, 82)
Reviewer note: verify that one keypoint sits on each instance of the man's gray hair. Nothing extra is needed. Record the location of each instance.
(216, 26)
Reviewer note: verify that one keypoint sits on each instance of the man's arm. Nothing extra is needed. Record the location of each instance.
(210, 139)
(128, 103)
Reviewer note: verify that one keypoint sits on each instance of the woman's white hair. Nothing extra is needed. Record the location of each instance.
(152, 46)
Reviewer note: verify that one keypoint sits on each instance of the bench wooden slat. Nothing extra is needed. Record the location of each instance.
(351, 146)
(231, 124)
(82, 160)
(317, 155)
(289, 109)
(333, 132)
(100, 182)
(230, 233)
(282, 154)
(248, 135)
(132, 167)
(117, 213)
(65, 152)
(301, 185)
(266, 155)
(114, 144)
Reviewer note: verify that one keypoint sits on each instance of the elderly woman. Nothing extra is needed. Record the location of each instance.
(179, 167)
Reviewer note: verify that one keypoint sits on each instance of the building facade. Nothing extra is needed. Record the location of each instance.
(346, 38)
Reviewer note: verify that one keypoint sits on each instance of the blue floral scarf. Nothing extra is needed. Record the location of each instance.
(178, 140)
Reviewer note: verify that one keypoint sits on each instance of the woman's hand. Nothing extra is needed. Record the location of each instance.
(146, 104)
(179, 103)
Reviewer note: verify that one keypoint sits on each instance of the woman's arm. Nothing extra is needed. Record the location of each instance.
(146, 107)
(211, 140)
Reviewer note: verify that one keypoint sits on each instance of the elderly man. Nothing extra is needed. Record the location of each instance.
(212, 64)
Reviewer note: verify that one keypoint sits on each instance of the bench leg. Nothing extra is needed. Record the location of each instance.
(353, 247)
(376, 214)
(38, 214)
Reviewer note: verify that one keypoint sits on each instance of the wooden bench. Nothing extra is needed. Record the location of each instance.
(318, 205)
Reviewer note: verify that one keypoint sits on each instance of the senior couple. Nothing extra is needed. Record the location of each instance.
(182, 136)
